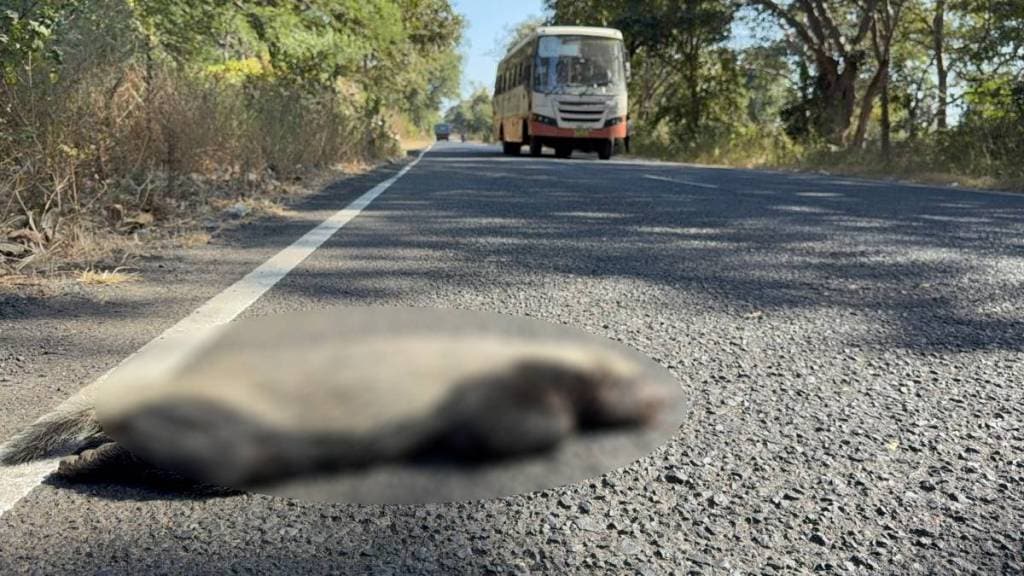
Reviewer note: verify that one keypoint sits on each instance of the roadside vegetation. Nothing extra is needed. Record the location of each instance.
(123, 118)
(473, 116)
(927, 89)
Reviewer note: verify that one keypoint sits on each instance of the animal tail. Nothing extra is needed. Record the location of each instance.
(68, 429)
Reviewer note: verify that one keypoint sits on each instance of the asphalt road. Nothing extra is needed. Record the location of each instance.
(853, 350)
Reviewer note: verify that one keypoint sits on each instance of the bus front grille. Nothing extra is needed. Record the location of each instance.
(581, 112)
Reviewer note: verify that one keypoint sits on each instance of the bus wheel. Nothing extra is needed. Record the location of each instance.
(536, 148)
(563, 150)
(511, 148)
(604, 149)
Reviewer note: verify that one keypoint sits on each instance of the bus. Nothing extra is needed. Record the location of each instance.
(442, 131)
(563, 87)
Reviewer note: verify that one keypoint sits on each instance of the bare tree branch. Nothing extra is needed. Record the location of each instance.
(798, 27)
(813, 21)
(867, 18)
(832, 29)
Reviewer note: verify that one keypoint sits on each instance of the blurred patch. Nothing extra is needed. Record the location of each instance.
(390, 405)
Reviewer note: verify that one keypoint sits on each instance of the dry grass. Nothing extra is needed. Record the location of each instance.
(857, 167)
(95, 250)
(94, 240)
(415, 143)
(93, 277)
(350, 168)
(13, 281)
(194, 239)
(101, 165)
(932, 178)
(861, 168)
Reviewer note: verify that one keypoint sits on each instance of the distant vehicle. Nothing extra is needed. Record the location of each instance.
(442, 131)
(563, 87)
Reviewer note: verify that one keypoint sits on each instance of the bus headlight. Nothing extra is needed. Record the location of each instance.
(544, 120)
(614, 121)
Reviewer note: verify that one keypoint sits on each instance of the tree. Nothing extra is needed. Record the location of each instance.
(937, 30)
(682, 75)
(474, 115)
(884, 24)
(833, 33)
(26, 29)
(768, 79)
(80, 78)
(517, 32)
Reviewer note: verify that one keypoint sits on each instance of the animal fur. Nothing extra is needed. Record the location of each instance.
(71, 428)
(530, 399)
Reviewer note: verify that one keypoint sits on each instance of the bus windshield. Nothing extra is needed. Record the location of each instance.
(578, 62)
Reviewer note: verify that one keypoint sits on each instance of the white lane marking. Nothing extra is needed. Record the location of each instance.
(167, 350)
(17, 481)
(686, 182)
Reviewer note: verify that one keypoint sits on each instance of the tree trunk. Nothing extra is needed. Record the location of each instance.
(881, 42)
(838, 57)
(695, 100)
(837, 98)
(867, 105)
(694, 110)
(886, 121)
(913, 107)
(939, 41)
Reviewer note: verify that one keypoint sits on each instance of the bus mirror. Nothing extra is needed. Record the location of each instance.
(629, 71)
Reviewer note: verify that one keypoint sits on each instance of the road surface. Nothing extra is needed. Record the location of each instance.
(852, 348)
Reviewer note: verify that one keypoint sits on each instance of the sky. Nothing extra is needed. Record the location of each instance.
(487, 21)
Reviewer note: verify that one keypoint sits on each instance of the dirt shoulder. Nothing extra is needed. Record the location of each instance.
(103, 245)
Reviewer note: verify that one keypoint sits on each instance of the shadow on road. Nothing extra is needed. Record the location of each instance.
(125, 487)
(941, 268)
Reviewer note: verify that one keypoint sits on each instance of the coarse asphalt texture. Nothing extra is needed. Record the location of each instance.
(852, 351)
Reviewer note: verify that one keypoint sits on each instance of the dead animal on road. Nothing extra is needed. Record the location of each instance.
(247, 412)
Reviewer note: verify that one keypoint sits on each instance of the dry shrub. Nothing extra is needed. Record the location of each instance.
(114, 126)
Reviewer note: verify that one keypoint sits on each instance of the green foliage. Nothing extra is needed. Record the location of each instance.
(473, 116)
(691, 93)
(26, 29)
(400, 53)
(685, 80)
(767, 80)
(96, 93)
(921, 86)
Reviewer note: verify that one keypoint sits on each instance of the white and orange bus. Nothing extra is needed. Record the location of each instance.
(563, 87)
